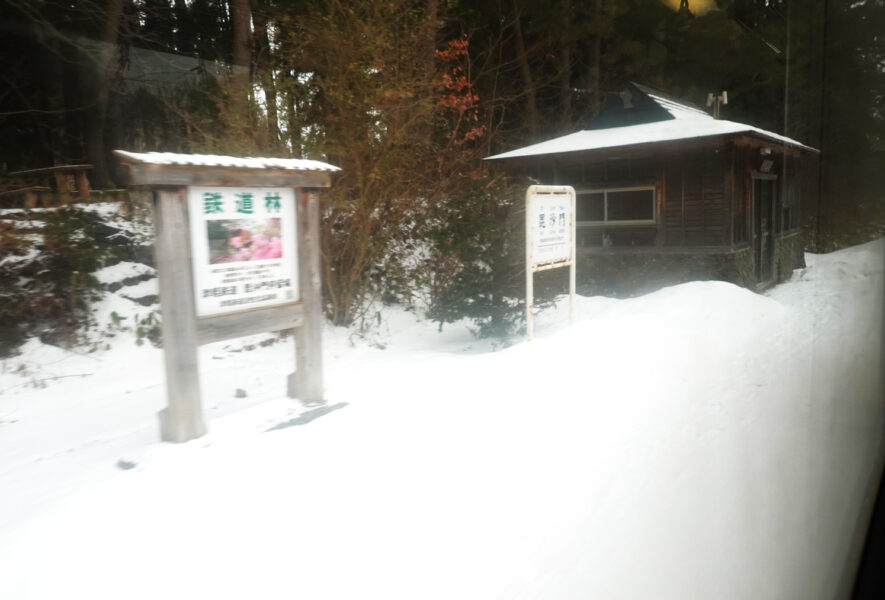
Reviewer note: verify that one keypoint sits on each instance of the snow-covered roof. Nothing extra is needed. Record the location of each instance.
(681, 121)
(213, 160)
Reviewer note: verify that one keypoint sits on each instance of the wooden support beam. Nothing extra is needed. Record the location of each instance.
(82, 184)
(61, 186)
(306, 383)
(239, 324)
(182, 419)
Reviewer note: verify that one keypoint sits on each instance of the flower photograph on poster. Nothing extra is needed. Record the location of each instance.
(237, 240)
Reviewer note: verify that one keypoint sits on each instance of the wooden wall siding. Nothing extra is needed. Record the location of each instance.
(730, 199)
(693, 208)
(672, 217)
(601, 173)
(807, 175)
(696, 206)
(741, 203)
(589, 237)
(715, 211)
(698, 194)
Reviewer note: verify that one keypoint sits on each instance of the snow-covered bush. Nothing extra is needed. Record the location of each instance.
(47, 269)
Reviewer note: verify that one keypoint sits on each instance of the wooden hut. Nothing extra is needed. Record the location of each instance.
(666, 193)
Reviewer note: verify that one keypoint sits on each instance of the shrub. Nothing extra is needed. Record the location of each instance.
(476, 263)
(50, 294)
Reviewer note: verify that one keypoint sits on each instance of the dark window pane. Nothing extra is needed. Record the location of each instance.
(591, 207)
(633, 205)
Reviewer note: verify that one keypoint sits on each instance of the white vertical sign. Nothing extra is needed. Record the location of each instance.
(243, 247)
(551, 221)
(550, 239)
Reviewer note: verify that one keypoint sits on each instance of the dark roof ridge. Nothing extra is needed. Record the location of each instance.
(650, 91)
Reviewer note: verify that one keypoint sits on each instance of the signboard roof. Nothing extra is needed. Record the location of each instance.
(214, 160)
(169, 169)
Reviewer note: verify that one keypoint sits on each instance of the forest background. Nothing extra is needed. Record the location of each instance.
(407, 97)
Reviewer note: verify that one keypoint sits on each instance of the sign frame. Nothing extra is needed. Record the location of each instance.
(243, 247)
(183, 330)
(558, 249)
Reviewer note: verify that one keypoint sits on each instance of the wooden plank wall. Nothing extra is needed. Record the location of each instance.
(697, 203)
(742, 234)
(672, 217)
(696, 208)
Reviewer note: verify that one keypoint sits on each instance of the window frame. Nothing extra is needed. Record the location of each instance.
(605, 191)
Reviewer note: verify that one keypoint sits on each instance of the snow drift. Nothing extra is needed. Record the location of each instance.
(699, 442)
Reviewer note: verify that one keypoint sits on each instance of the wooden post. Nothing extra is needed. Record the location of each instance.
(61, 185)
(529, 269)
(182, 419)
(573, 265)
(306, 383)
(82, 184)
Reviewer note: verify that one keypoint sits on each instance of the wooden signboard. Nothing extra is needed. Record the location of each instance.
(243, 246)
(550, 240)
(237, 253)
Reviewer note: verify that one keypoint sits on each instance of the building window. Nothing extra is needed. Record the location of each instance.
(622, 205)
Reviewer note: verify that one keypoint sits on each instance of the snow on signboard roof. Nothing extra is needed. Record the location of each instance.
(685, 122)
(213, 160)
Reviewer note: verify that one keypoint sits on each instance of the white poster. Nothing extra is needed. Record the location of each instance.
(550, 220)
(243, 247)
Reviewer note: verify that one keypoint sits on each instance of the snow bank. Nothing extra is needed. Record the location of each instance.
(123, 270)
(699, 442)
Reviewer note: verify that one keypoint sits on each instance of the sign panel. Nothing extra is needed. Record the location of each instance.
(550, 240)
(243, 248)
(550, 220)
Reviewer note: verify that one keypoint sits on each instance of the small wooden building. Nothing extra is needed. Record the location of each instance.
(666, 193)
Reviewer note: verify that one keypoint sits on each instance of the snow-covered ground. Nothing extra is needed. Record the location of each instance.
(699, 442)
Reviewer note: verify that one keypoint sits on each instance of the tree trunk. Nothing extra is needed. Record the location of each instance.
(565, 71)
(594, 76)
(242, 59)
(293, 129)
(264, 70)
(52, 90)
(96, 80)
(526, 71)
(184, 33)
(428, 54)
